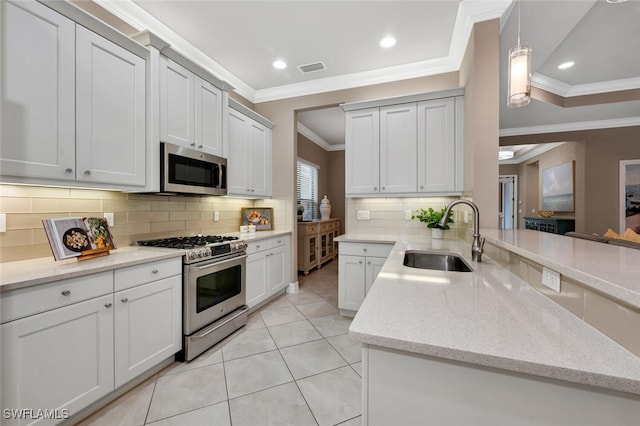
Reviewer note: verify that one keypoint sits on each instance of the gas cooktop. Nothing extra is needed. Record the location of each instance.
(187, 242)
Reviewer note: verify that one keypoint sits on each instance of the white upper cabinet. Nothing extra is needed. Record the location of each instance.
(176, 104)
(38, 92)
(438, 146)
(405, 146)
(110, 111)
(398, 164)
(249, 161)
(362, 151)
(190, 109)
(73, 102)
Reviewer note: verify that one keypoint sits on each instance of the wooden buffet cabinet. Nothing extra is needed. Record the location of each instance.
(315, 243)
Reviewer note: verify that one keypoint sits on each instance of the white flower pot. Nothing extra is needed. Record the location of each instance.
(437, 233)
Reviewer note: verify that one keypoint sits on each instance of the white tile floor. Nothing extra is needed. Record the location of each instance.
(293, 364)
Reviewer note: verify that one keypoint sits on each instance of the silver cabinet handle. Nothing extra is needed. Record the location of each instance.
(375, 188)
(108, 305)
(253, 190)
(154, 271)
(193, 144)
(87, 172)
(368, 263)
(382, 188)
(364, 250)
(421, 186)
(68, 170)
(258, 246)
(200, 146)
(248, 190)
(124, 300)
(66, 292)
(360, 262)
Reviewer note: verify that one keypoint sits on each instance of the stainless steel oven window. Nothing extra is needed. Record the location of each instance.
(216, 287)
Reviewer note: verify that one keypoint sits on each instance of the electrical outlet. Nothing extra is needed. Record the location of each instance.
(551, 279)
(467, 216)
(110, 220)
(216, 216)
(3, 222)
(362, 215)
(407, 215)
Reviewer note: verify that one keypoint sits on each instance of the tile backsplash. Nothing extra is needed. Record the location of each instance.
(137, 216)
(387, 216)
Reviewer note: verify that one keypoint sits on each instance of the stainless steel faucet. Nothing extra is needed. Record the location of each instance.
(477, 247)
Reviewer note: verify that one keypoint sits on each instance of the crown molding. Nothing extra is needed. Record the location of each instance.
(313, 137)
(565, 90)
(571, 127)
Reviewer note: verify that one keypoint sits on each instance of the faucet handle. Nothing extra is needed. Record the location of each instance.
(481, 242)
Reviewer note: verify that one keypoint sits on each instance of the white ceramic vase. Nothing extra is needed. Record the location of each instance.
(437, 233)
(325, 208)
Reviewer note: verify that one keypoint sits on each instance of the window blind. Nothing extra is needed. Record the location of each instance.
(307, 189)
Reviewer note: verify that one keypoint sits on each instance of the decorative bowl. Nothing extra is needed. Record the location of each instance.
(546, 213)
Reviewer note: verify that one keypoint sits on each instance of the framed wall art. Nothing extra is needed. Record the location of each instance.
(261, 217)
(558, 188)
(630, 195)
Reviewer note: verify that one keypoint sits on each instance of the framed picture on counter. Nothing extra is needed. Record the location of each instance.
(261, 217)
(76, 236)
(630, 195)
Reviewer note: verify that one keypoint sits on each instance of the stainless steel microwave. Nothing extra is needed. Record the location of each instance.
(187, 171)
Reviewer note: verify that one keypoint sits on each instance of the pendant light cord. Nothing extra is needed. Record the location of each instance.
(519, 1)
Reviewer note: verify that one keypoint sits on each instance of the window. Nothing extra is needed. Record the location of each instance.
(307, 189)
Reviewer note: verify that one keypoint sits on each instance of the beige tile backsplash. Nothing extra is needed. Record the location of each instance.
(612, 317)
(137, 216)
(387, 216)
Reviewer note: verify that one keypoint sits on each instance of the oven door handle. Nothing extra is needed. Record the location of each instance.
(218, 264)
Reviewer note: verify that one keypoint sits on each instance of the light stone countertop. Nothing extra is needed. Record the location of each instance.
(25, 273)
(488, 317)
(608, 269)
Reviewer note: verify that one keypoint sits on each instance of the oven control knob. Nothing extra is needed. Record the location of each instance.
(193, 255)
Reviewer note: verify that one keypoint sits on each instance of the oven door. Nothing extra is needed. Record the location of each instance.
(212, 289)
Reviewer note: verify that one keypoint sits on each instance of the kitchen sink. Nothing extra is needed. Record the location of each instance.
(437, 261)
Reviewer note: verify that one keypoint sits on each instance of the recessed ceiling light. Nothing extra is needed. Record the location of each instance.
(616, 1)
(566, 65)
(505, 155)
(388, 41)
(279, 64)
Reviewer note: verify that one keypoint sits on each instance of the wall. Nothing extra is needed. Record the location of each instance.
(597, 174)
(330, 176)
(137, 216)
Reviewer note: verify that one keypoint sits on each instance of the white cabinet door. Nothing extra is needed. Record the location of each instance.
(238, 170)
(362, 151)
(110, 111)
(148, 326)
(437, 146)
(208, 117)
(61, 359)
(351, 279)
(256, 278)
(398, 139)
(176, 104)
(249, 157)
(277, 266)
(260, 153)
(38, 92)
(373, 267)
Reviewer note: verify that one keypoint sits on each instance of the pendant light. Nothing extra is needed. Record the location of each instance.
(519, 84)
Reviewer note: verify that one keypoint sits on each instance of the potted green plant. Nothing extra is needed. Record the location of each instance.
(431, 217)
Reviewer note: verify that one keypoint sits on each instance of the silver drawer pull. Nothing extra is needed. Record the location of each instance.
(108, 305)
(124, 300)
(258, 246)
(360, 262)
(154, 271)
(87, 172)
(364, 250)
(66, 292)
(68, 170)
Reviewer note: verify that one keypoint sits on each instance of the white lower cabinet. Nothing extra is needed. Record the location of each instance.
(267, 268)
(147, 326)
(60, 359)
(68, 343)
(358, 266)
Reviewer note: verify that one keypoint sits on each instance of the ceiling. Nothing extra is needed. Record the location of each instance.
(239, 40)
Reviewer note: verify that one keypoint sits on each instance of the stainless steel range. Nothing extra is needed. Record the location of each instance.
(213, 291)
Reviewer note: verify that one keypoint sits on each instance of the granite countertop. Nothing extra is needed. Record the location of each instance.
(488, 317)
(30, 272)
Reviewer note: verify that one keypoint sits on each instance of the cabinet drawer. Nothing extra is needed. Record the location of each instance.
(256, 246)
(27, 301)
(278, 242)
(147, 272)
(362, 249)
(306, 229)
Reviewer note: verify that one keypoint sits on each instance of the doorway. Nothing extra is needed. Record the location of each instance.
(508, 211)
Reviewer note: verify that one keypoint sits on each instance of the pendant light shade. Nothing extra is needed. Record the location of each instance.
(519, 93)
(519, 73)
